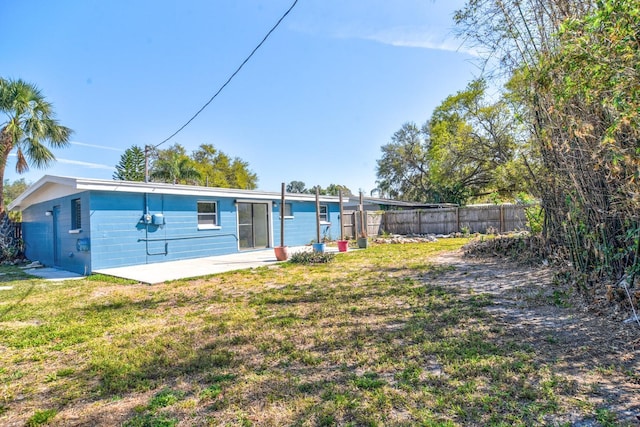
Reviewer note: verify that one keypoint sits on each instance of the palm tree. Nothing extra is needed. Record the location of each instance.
(30, 123)
(176, 169)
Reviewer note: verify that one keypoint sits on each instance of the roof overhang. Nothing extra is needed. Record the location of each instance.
(51, 187)
(401, 203)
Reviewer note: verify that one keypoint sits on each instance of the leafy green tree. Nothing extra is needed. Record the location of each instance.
(30, 124)
(331, 190)
(321, 190)
(173, 166)
(403, 170)
(131, 165)
(296, 187)
(212, 165)
(241, 176)
(217, 169)
(334, 189)
(205, 166)
(467, 150)
(11, 191)
(473, 147)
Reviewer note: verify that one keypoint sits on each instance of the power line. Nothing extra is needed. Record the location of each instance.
(232, 75)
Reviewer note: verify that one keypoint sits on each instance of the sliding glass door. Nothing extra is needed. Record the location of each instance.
(253, 225)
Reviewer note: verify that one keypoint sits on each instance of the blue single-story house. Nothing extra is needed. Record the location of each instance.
(83, 225)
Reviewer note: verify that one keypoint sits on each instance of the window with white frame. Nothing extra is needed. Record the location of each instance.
(288, 210)
(324, 213)
(207, 215)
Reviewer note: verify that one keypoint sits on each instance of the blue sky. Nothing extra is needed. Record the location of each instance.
(314, 104)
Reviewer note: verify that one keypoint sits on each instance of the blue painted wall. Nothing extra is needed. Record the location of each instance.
(38, 231)
(300, 229)
(120, 237)
(117, 236)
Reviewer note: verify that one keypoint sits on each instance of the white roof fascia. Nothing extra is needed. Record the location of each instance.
(191, 190)
(58, 186)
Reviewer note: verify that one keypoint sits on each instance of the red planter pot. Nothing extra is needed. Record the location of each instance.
(281, 253)
(343, 245)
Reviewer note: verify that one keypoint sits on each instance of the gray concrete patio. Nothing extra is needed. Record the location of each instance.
(175, 270)
(53, 274)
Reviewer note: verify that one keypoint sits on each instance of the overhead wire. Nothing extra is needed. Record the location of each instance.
(232, 75)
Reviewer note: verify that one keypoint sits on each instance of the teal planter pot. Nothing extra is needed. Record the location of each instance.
(318, 247)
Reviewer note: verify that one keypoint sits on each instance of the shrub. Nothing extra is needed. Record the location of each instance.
(311, 257)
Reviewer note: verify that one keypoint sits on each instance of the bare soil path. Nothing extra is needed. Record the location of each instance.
(599, 357)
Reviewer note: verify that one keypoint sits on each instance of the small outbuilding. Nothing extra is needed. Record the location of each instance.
(83, 225)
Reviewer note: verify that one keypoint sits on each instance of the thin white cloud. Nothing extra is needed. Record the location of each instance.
(85, 164)
(402, 23)
(418, 38)
(78, 163)
(104, 147)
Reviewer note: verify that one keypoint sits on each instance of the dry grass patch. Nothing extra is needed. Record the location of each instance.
(376, 337)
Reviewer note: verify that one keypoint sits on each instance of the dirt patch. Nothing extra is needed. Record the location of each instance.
(597, 357)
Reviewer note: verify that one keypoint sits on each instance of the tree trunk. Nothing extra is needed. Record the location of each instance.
(5, 149)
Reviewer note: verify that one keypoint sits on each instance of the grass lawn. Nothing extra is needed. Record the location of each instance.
(369, 339)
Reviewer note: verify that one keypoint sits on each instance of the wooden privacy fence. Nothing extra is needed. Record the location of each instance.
(373, 220)
(10, 238)
(9, 230)
(472, 219)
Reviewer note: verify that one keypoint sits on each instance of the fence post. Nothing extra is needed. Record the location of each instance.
(385, 224)
(356, 224)
(341, 237)
(365, 226)
(457, 219)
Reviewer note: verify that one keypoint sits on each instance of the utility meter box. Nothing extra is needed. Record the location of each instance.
(157, 219)
(82, 245)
